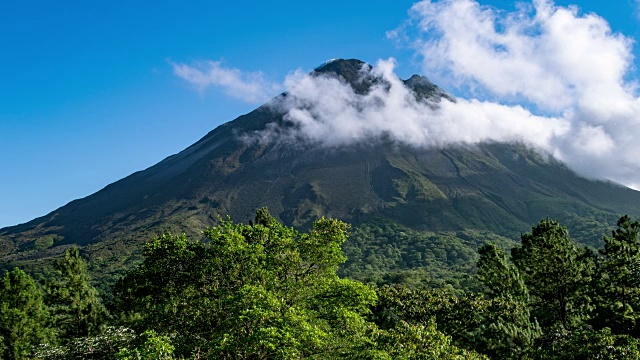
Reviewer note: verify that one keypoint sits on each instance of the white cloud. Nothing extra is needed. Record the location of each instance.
(249, 87)
(328, 112)
(554, 59)
(551, 56)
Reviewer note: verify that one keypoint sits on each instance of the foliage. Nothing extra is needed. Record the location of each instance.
(383, 252)
(75, 304)
(24, 318)
(507, 330)
(102, 346)
(152, 346)
(499, 278)
(556, 273)
(406, 341)
(416, 306)
(618, 283)
(257, 290)
(264, 290)
(587, 344)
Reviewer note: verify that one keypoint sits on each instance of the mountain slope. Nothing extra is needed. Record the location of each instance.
(499, 188)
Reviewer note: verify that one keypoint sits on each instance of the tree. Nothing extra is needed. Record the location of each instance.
(587, 344)
(507, 330)
(497, 325)
(24, 319)
(151, 346)
(261, 290)
(619, 284)
(556, 273)
(410, 341)
(106, 345)
(75, 303)
(499, 278)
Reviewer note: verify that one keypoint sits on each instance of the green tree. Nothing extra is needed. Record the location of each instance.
(562, 344)
(619, 283)
(497, 325)
(507, 330)
(556, 273)
(152, 346)
(75, 303)
(105, 345)
(24, 318)
(410, 342)
(261, 290)
(457, 316)
(498, 277)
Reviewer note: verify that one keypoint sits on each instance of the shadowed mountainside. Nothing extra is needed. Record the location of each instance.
(500, 188)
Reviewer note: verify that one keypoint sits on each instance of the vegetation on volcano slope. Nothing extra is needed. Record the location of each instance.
(384, 252)
(497, 188)
(264, 290)
(419, 215)
(457, 197)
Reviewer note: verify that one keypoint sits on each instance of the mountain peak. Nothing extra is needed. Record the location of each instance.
(341, 66)
(425, 89)
(416, 80)
(349, 70)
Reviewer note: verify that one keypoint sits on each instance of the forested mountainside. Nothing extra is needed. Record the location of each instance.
(496, 190)
(152, 266)
(416, 212)
(266, 291)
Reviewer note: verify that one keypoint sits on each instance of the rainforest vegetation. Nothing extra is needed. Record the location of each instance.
(267, 291)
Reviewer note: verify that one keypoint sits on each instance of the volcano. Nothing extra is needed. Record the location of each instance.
(496, 188)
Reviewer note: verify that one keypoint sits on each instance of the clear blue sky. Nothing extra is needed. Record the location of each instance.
(88, 95)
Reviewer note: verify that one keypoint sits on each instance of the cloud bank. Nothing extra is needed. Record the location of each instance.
(248, 87)
(552, 57)
(327, 111)
(571, 73)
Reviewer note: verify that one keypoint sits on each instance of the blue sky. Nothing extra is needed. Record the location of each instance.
(88, 92)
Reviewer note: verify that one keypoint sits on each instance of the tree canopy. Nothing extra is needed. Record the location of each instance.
(24, 318)
(267, 291)
(261, 290)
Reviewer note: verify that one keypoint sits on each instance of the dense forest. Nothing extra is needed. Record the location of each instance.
(267, 291)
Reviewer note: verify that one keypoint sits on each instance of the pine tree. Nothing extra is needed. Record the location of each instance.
(556, 273)
(507, 330)
(619, 285)
(77, 308)
(500, 279)
(24, 318)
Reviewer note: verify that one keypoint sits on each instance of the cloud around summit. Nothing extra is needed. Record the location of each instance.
(328, 112)
(544, 75)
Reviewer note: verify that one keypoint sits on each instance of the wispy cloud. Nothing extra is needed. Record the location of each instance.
(249, 87)
(328, 112)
